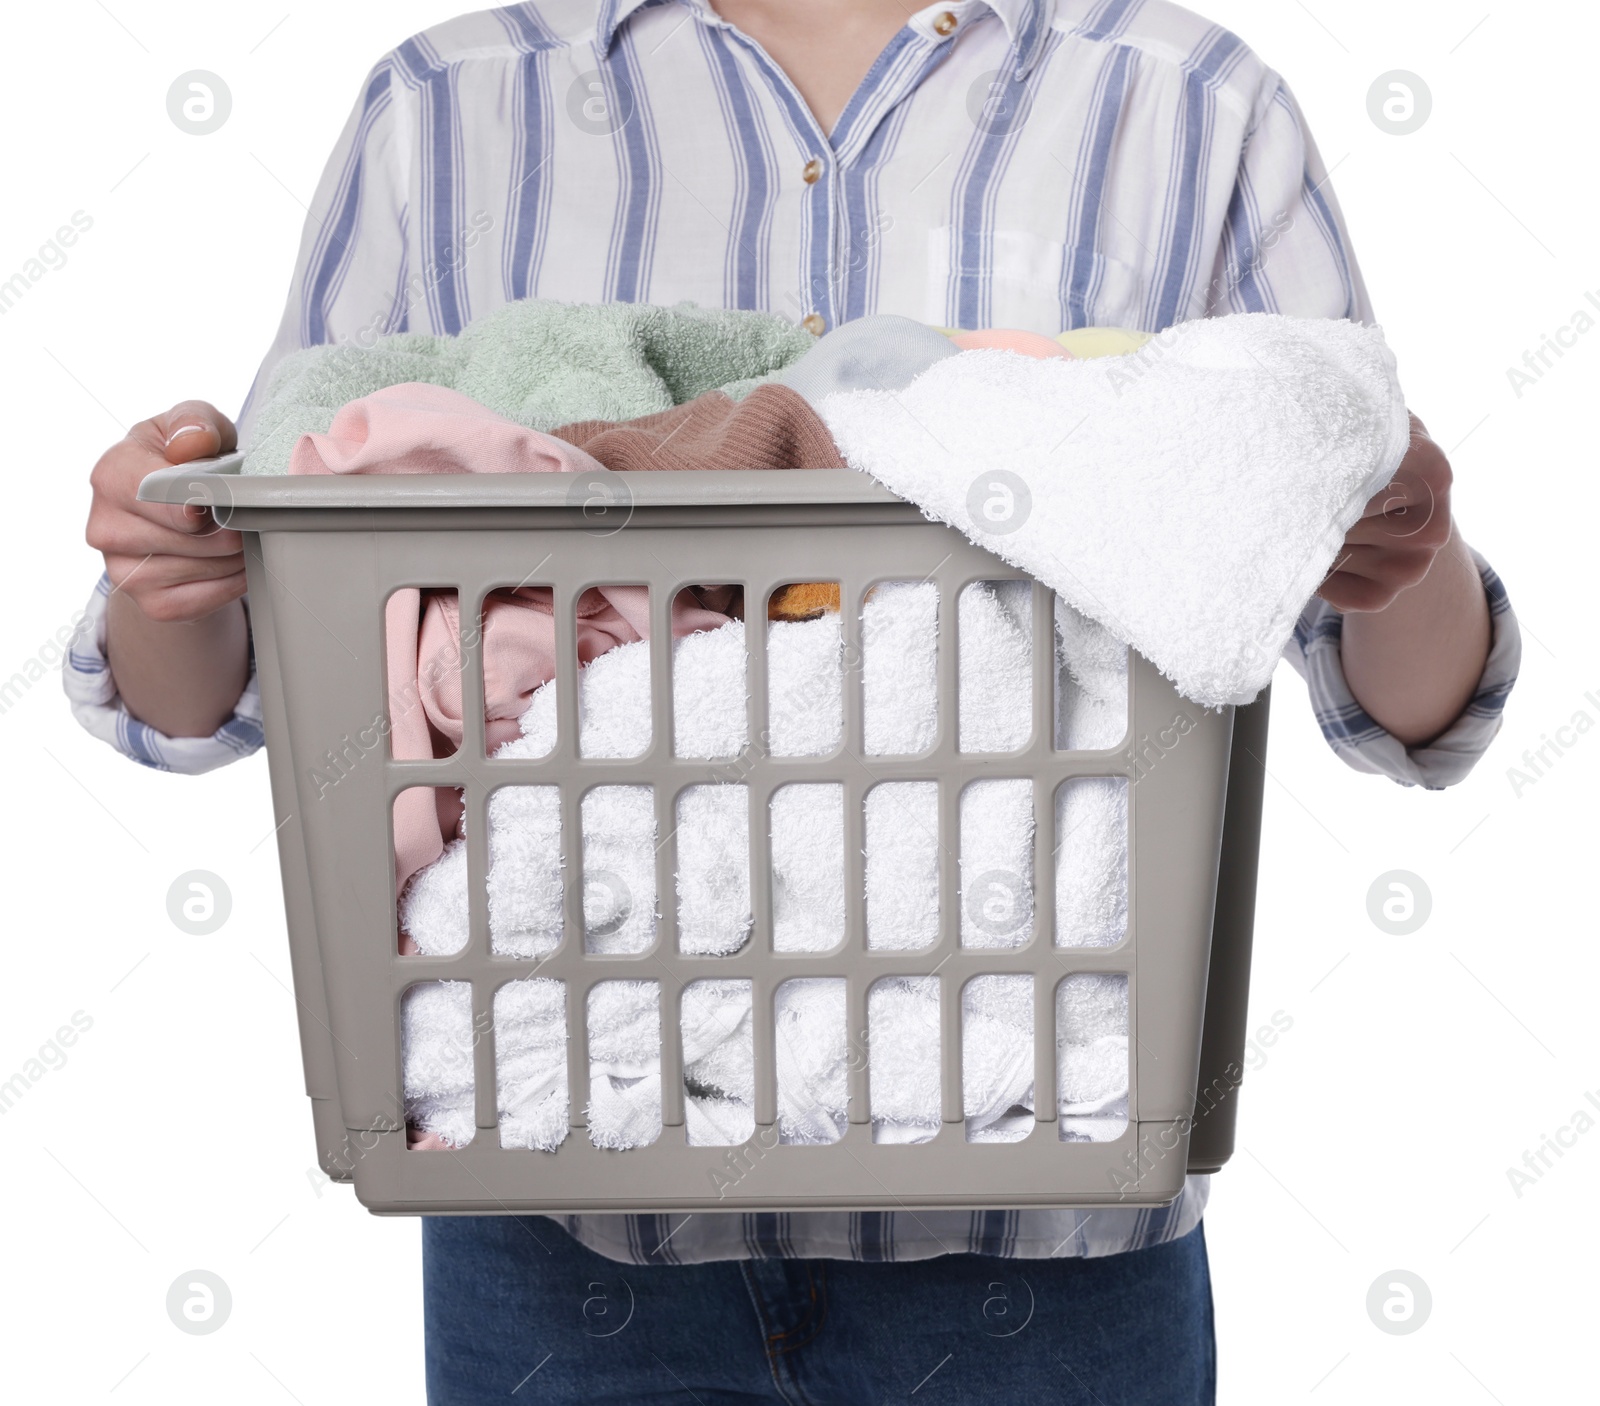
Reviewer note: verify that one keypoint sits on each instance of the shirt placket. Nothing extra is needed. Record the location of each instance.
(822, 162)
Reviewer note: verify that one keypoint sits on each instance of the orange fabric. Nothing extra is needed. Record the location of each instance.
(1034, 344)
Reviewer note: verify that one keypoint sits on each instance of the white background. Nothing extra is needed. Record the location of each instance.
(1377, 1134)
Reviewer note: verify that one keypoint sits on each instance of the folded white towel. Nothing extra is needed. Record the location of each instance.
(1190, 497)
(713, 891)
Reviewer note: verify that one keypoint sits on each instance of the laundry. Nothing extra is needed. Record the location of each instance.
(537, 362)
(415, 428)
(1185, 499)
(881, 353)
(771, 428)
(1190, 497)
(423, 662)
(418, 428)
(525, 891)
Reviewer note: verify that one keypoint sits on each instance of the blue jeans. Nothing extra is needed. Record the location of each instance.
(516, 1310)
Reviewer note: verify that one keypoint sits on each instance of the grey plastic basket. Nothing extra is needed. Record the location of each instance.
(323, 555)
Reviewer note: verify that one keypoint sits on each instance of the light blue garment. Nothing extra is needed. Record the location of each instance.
(881, 352)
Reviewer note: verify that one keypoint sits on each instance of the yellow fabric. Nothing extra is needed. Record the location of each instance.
(1102, 341)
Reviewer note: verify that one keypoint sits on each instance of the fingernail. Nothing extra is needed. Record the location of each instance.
(179, 433)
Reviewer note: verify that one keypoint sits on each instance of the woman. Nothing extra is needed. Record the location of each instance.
(1040, 164)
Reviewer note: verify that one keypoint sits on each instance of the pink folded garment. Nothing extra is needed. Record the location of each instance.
(1034, 344)
(421, 429)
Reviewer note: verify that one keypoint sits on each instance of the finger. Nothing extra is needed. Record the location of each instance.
(1407, 529)
(193, 429)
(156, 569)
(144, 529)
(1396, 570)
(191, 600)
(1354, 594)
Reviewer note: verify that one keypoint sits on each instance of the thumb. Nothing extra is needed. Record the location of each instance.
(193, 429)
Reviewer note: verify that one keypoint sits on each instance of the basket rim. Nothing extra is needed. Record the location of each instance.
(220, 485)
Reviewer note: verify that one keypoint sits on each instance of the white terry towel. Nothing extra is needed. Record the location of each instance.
(1190, 496)
(525, 888)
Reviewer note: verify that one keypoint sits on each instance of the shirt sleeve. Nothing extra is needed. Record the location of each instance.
(1362, 742)
(86, 675)
(1284, 247)
(350, 282)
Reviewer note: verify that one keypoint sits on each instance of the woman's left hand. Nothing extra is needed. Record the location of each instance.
(1402, 529)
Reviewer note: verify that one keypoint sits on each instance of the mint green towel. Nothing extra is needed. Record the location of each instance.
(538, 362)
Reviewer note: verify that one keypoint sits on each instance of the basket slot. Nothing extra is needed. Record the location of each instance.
(523, 1032)
(1090, 869)
(808, 645)
(899, 661)
(623, 1018)
(997, 1020)
(1091, 1012)
(709, 832)
(998, 875)
(402, 624)
(440, 1051)
(1001, 702)
(1093, 717)
(621, 829)
(716, 1005)
(904, 1041)
(420, 815)
(901, 833)
(809, 855)
(803, 1046)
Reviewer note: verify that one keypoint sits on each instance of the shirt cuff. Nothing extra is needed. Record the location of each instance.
(86, 676)
(1367, 746)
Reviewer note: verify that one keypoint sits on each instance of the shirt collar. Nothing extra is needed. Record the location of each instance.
(1026, 21)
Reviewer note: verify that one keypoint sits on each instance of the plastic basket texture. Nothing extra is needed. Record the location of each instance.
(323, 556)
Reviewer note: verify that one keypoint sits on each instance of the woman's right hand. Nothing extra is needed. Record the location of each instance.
(176, 635)
(174, 563)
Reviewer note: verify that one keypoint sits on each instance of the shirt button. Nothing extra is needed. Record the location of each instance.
(811, 171)
(814, 323)
(944, 24)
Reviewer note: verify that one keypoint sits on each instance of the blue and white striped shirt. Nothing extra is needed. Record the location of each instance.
(1038, 164)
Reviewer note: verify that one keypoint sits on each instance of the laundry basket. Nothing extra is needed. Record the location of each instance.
(324, 554)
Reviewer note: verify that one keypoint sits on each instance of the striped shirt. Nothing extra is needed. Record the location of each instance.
(1037, 164)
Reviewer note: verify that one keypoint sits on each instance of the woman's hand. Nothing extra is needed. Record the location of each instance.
(1416, 628)
(176, 632)
(175, 563)
(1403, 528)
